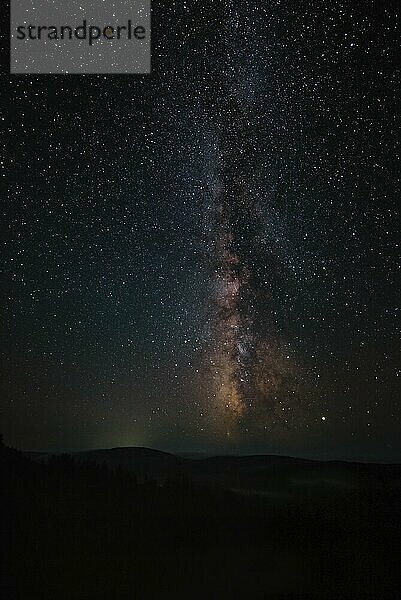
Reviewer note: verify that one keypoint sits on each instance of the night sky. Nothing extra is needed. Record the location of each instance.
(206, 258)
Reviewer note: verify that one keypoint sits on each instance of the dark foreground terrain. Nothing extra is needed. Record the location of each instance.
(135, 523)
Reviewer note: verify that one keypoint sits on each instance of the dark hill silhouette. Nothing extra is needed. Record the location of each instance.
(141, 461)
(97, 524)
(259, 473)
(155, 464)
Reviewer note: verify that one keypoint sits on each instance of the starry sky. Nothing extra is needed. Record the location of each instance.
(206, 258)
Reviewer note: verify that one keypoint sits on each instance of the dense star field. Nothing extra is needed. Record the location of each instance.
(206, 258)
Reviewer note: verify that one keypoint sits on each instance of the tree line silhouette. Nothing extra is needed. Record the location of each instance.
(82, 530)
